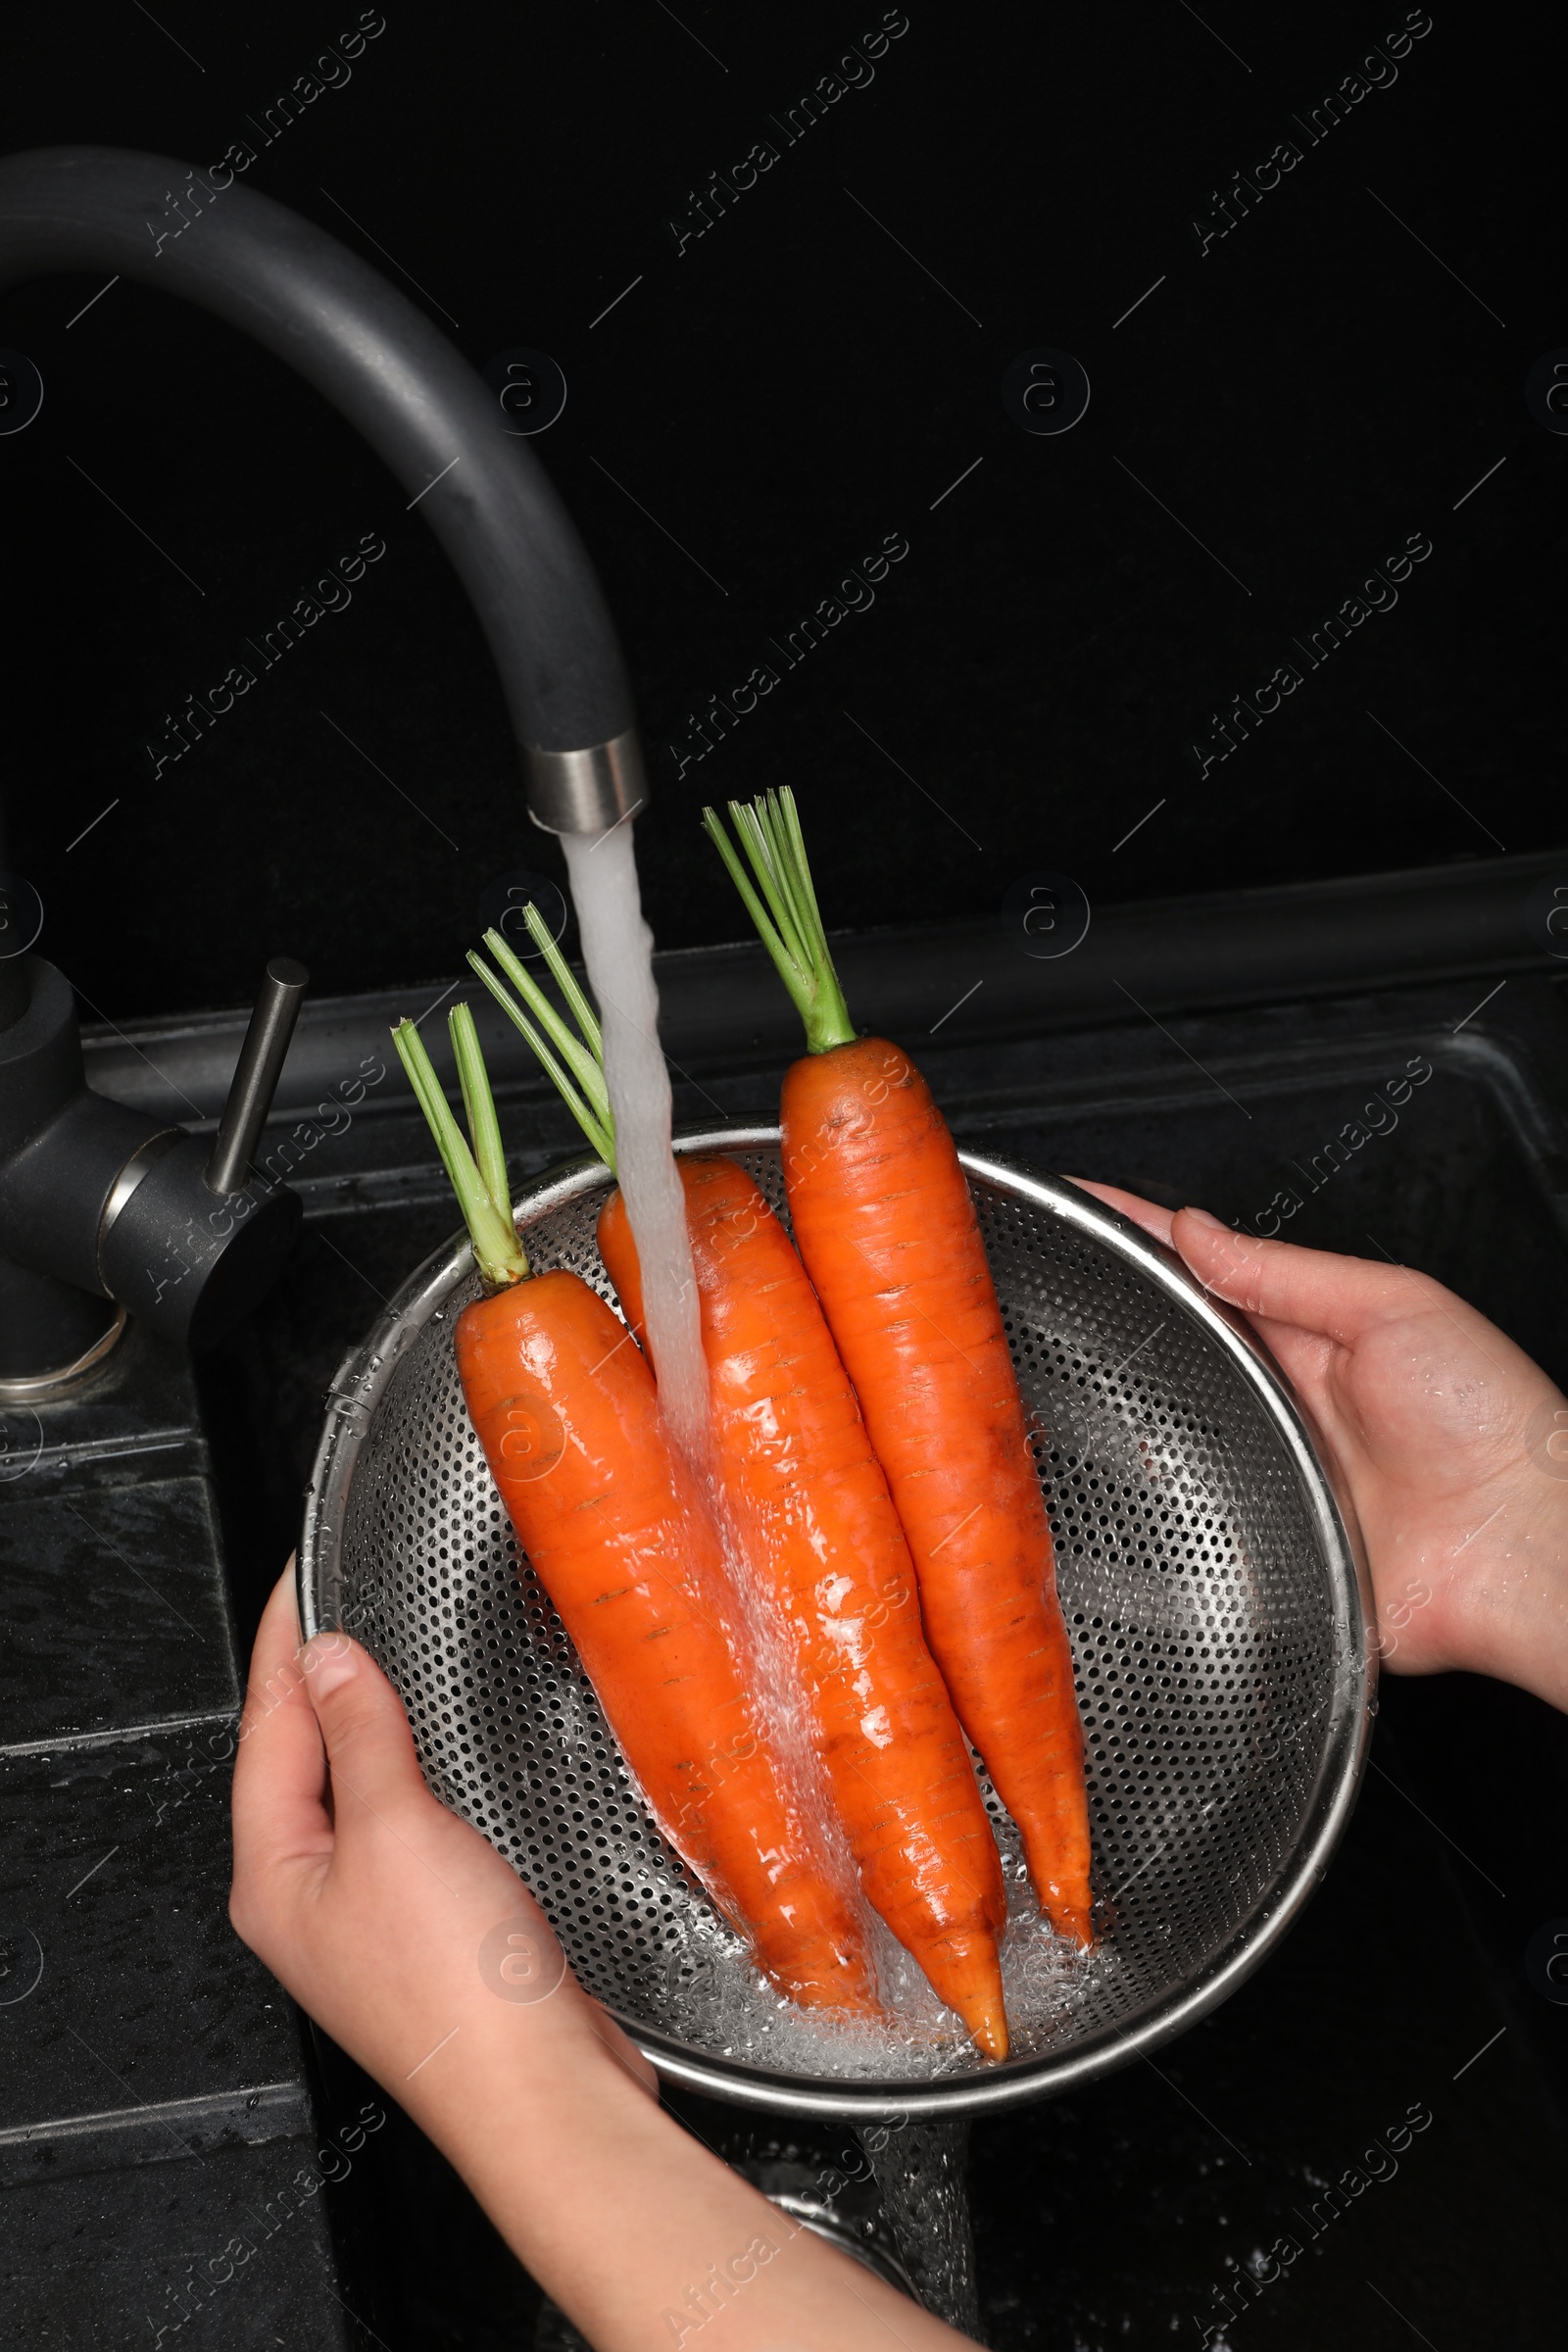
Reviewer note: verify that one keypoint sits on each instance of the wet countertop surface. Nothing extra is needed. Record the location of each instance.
(153, 2112)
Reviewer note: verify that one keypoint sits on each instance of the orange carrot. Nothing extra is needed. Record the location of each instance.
(888, 1232)
(567, 1411)
(795, 1449)
(794, 1453)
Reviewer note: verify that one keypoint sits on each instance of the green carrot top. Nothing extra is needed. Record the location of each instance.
(573, 1061)
(790, 923)
(478, 1173)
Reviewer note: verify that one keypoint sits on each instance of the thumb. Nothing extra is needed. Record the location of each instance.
(370, 1748)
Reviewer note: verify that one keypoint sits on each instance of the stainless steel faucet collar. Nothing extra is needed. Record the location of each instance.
(590, 791)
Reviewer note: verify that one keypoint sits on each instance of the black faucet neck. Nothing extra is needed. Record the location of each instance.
(417, 401)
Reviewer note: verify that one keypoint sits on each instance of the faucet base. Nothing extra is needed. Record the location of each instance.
(43, 1388)
(48, 1328)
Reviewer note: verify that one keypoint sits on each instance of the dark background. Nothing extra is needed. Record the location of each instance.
(780, 398)
(782, 395)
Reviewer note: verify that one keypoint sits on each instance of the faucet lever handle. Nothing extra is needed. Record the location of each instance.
(256, 1074)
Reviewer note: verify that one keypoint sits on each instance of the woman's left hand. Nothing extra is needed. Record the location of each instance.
(394, 1924)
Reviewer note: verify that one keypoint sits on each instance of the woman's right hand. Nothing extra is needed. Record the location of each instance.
(1452, 1443)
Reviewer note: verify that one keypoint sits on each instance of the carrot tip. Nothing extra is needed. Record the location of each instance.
(1064, 1897)
(965, 1972)
(1068, 1915)
(988, 2026)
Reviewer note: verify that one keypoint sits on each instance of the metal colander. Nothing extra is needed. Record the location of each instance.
(1217, 1614)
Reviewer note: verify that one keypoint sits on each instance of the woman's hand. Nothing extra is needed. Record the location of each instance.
(1446, 1433)
(392, 1922)
(415, 1944)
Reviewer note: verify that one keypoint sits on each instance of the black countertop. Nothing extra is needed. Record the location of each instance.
(158, 2162)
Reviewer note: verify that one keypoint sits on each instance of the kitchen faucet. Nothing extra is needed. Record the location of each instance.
(102, 1210)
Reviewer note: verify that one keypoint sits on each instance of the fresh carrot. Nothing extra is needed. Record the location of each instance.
(888, 1231)
(794, 1453)
(568, 1414)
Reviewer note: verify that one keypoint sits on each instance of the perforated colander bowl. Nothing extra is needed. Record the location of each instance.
(1212, 1592)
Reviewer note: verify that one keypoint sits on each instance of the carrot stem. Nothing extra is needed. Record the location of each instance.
(565, 979)
(573, 1066)
(484, 1128)
(583, 1058)
(789, 924)
(496, 1250)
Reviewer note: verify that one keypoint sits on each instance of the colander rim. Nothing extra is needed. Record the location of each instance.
(367, 1369)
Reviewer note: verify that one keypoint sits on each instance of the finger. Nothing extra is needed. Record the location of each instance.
(275, 1655)
(280, 1771)
(1146, 1213)
(1312, 1289)
(370, 1748)
(1233, 1273)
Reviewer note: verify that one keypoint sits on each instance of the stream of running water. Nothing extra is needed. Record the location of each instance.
(617, 950)
(919, 2171)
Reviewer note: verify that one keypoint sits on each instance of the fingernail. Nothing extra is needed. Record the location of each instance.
(329, 1663)
(1204, 1218)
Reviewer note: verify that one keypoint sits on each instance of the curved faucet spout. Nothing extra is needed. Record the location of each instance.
(417, 401)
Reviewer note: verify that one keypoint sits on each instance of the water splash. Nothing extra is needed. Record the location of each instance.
(705, 1991)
